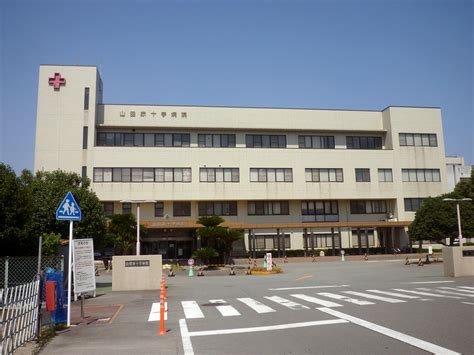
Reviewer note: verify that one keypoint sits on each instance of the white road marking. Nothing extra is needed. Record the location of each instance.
(255, 305)
(305, 287)
(374, 297)
(428, 282)
(185, 338)
(468, 287)
(468, 303)
(266, 328)
(445, 292)
(425, 299)
(287, 303)
(456, 289)
(317, 301)
(421, 344)
(393, 294)
(191, 310)
(226, 311)
(426, 293)
(345, 298)
(155, 312)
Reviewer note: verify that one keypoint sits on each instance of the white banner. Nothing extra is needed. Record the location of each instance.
(84, 271)
(269, 262)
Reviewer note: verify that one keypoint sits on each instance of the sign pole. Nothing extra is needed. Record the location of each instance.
(69, 272)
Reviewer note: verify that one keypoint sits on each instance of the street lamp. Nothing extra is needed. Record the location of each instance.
(459, 214)
(138, 218)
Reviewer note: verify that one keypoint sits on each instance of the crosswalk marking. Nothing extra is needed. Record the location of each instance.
(255, 305)
(393, 294)
(446, 292)
(456, 289)
(468, 287)
(426, 293)
(287, 303)
(155, 312)
(317, 300)
(380, 298)
(345, 298)
(225, 310)
(191, 310)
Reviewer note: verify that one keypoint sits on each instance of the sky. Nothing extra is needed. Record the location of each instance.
(342, 54)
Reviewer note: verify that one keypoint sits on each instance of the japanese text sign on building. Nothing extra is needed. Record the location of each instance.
(69, 209)
(152, 114)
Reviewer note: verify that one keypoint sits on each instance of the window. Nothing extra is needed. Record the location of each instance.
(362, 175)
(181, 209)
(108, 208)
(86, 98)
(85, 132)
(364, 242)
(216, 140)
(224, 208)
(421, 175)
(385, 175)
(368, 206)
(126, 208)
(271, 175)
(362, 142)
(265, 141)
(264, 208)
(320, 211)
(324, 240)
(412, 204)
(270, 242)
(84, 171)
(143, 139)
(219, 174)
(159, 209)
(418, 139)
(324, 175)
(142, 174)
(316, 142)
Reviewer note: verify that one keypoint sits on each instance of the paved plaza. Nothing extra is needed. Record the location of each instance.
(357, 307)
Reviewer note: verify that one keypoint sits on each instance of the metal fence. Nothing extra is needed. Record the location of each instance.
(18, 270)
(19, 315)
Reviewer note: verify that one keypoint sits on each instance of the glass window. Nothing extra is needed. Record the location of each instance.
(159, 209)
(362, 175)
(126, 175)
(117, 175)
(101, 139)
(108, 208)
(107, 174)
(138, 140)
(413, 175)
(168, 174)
(219, 175)
(417, 139)
(168, 140)
(178, 175)
(187, 175)
(137, 175)
(159, 174)
(323, 175)
(177, 140)
(181, 209)
(433, 140)
(339, 175)
(159, 140)
(253, 175)
(128, 139)
(203, 174)
(109, 139)
(280, 175)
(436, 175)
(98, 175)
(235, 175)
(228, 174)
(148, 175)
(126, 208)
(425, 140)
(410, 140)
(403, 139)
(149, 139)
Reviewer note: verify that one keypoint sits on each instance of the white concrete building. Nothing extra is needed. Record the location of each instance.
(292, 179)
(456, 170)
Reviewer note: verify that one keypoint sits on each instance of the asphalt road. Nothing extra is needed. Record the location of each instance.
(381, 307)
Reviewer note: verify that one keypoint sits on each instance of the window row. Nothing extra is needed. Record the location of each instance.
(316, 142)
(216, 140)
(421, 175)
(368, 206)
(219, 174)
(412, 204)
(418, 139)
(324, 175)
(265, 141)
(142, 174)
(312, 211)
(271, 175)
(271, 242)
(323, 240)
(361, 142)
(143, 139)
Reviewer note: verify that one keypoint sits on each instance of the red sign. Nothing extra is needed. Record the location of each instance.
(57, 81)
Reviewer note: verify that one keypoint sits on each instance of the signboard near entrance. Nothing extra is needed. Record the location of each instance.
(84, 272)
(269, 262)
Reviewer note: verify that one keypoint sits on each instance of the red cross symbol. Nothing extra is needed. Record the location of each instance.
(57, 81)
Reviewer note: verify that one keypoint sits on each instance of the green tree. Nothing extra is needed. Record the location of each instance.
(123, 232)
(48, 190)
(217, 236)
(15, 207)
(50, 245)
(437, 219)
(205, 254)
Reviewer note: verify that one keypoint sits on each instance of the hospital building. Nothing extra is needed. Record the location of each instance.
(294, 180)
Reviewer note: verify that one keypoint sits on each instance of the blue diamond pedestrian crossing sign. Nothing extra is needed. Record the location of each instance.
(69, 209)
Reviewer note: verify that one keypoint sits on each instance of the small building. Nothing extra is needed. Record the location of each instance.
(456, 170)
(292, 179)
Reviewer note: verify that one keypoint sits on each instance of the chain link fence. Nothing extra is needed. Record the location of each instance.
(18, 270)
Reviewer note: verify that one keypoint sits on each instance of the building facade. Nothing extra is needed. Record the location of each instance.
(456, 170)
(291, 179)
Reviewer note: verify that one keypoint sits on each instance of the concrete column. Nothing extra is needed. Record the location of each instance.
(392, 236)
(359, 241)
(332, 241)
(367, 240)
(312, 242)
(249, 236)
(305, 241)
(282, 241)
